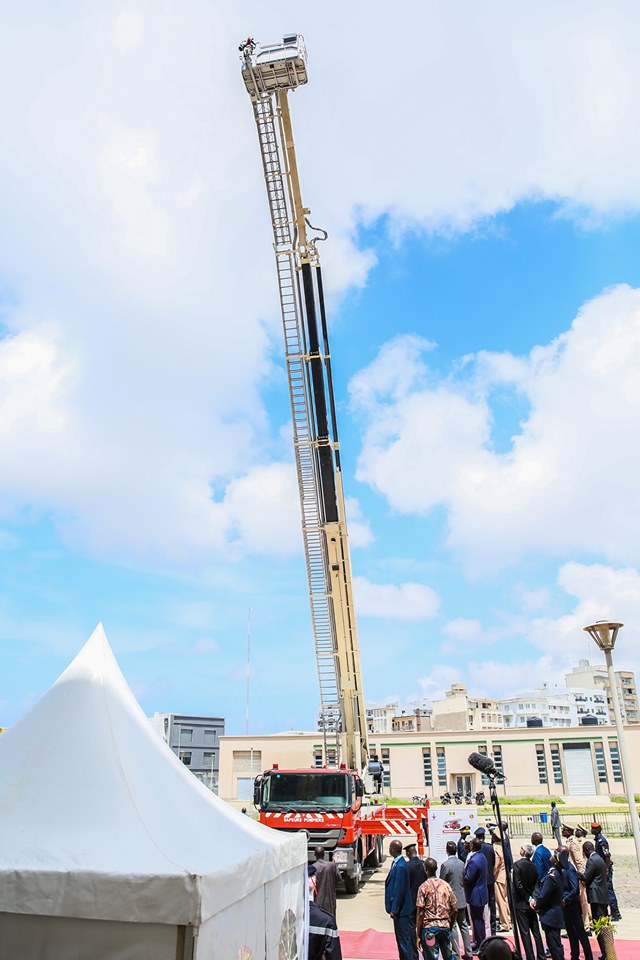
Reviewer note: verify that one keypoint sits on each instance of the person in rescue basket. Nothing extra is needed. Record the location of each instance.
(397, 901)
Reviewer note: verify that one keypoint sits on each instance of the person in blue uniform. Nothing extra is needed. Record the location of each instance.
(602, 849)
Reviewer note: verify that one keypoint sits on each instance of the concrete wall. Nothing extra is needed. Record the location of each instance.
(404, 752)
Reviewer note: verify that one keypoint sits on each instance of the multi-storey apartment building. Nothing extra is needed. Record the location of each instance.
(459, 711)
(595, 677)
(195, 740)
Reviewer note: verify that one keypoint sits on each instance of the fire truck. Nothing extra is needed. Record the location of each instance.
(331, 803)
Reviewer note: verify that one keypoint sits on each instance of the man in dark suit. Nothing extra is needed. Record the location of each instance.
(525, 878)
(595, 880)
(452, 870)
(475, 889)
(490, 857)
(417, 877)
(548, 903)
(602, 849)
(397, 901)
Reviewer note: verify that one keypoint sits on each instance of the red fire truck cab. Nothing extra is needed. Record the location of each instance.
(329, 804)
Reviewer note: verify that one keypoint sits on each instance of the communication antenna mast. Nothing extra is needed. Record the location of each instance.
(246, 709)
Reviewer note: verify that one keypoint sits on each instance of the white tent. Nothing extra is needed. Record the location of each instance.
(110, 847)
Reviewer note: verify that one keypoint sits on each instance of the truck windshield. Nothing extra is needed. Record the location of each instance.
(310, 791)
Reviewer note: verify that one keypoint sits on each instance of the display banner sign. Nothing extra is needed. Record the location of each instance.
(445, 823)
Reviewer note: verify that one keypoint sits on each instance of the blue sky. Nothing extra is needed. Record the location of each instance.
(483, 205)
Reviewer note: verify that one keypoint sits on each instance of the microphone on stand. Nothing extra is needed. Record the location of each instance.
(479, 761)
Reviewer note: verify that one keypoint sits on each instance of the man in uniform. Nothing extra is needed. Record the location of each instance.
(463, 853)
(602, 848)
(578, 859)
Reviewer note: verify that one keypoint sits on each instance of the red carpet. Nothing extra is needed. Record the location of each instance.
(372, 945)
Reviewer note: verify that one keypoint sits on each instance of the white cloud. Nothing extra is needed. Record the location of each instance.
(360, 532)
(534, 601)
(137, 261)
(409, 602)
(568, 481)
(439, 680)
(502, 678)
(262, 511)
(463, 631)
(601, 593)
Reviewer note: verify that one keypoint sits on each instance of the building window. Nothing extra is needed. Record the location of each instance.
(185, 756)
(247, 761)
(426, 767)
(208, 759)
(185, 735)
(556, 763)
(317, 758)
(600, 763)
(209, 737)
(497, 760)
(615, 762)
(386, 769)
(442, 767)
(543, 776)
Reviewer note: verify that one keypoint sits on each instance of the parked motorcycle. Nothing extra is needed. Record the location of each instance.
(445, 798)
(480, 798)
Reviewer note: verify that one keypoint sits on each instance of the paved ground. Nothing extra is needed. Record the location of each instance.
(366, 909)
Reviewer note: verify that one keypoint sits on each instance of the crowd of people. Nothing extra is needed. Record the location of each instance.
(457, 909)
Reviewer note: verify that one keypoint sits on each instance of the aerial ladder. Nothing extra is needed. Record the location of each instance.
(270, 73)
(329, 803)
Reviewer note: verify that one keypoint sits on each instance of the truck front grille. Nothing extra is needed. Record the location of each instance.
(320, 836)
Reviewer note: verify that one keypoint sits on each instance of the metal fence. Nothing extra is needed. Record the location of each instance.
(614, 823)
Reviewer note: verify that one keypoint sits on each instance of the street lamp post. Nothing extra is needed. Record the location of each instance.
(605, 633)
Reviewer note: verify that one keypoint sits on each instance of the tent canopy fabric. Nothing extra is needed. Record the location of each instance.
(99, 819)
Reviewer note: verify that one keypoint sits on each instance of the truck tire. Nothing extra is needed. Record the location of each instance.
(351, 884)
(373, 860)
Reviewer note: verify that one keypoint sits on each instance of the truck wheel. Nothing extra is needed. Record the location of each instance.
(351, 884)
(373, 860)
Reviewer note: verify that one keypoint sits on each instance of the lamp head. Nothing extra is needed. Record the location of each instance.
(604, 633)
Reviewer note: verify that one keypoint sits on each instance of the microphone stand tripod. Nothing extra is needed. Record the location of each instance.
(495, 803)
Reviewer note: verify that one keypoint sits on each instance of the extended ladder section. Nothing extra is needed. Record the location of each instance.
(270, 72)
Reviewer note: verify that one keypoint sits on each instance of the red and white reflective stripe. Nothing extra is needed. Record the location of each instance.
(396, 827)
(405, 813)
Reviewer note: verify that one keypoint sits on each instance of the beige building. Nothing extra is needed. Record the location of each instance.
(537, 762)
(459, 711)
(595, 677)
